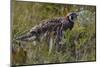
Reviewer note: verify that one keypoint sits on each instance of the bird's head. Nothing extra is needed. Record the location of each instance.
(72, 16)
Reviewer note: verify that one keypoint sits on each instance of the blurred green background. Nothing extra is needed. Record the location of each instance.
(80, 41)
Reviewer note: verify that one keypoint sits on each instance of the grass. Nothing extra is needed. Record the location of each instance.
(80, 41)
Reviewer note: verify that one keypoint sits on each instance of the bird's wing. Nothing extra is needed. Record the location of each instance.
(52, 24)
(42, 28)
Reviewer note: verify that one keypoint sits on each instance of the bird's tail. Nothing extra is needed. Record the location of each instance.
(27, 37)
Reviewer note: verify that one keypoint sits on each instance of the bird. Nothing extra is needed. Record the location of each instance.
(53, 30)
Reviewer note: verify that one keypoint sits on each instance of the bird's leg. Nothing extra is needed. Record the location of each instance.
(49, 39)
(34, 43)
(50, 45)
(58, 39)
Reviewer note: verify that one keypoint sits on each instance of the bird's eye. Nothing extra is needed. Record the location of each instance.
(72, 17)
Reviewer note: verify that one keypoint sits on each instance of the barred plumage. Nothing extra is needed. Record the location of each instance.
(57, 25)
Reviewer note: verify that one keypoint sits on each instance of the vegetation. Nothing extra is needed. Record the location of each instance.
(80, 41)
